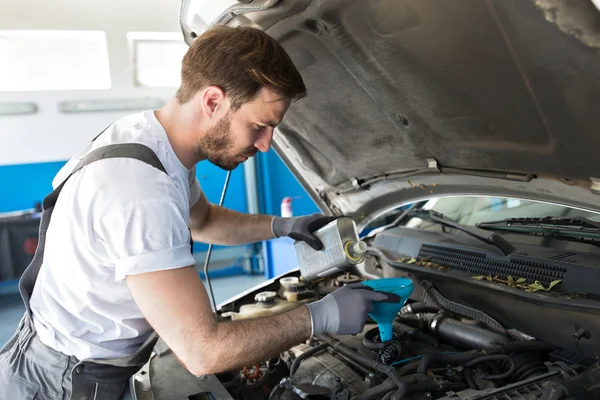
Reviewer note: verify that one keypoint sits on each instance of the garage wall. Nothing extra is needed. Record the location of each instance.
(277, 182)
(34, 147)
(49, 135)
(22, 185)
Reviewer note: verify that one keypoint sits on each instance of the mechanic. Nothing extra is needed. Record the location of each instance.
(114, 270)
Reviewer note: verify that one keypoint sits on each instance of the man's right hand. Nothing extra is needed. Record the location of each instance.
(345, 310)
(175, 303)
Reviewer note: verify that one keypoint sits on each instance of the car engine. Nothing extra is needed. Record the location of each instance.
(436, 353)
(479, 324)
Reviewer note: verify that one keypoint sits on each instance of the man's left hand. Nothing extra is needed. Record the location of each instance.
(301, 228)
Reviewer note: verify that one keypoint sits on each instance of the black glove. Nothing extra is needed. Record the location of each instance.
(301, 228)
(345, 310)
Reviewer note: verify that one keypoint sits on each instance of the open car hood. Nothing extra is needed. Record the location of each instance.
(413, 99)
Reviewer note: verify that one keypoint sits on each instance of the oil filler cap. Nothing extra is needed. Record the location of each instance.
(296, 287)
(265, 297)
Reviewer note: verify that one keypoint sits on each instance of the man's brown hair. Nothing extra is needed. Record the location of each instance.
(240, 61)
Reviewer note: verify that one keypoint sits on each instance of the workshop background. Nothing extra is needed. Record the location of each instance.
(69, 68)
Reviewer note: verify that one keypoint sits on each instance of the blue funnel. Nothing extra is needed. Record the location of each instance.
(384, 313)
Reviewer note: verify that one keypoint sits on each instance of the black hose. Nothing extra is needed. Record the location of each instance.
(468, 373)
(460, 358)
(421, 336)
(410, 368)
(400, 393)
(232, 383)
(305, 355)
(498, 357)
(527, 364)
(519, 347)
(369, 341)
(420, 383)
(376, 391)
(388, 396)
(480, 359)
(390, 387)
(418, 308)
(421, 387)
(443, 358)
(493, 367)
(366, 361)
(466, 357)
(434, 298)
(276, 391)
(455, 386)
(412, 321)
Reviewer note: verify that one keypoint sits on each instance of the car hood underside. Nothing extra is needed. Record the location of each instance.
(410, 99)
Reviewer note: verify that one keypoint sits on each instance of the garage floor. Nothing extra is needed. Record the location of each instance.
(12, 308)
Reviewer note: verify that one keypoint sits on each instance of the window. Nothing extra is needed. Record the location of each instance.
(156, 58)
(470, 210)
(53, 60)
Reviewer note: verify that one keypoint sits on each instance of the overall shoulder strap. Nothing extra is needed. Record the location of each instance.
(136, 151)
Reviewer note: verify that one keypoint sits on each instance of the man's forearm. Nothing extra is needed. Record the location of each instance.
(228, 227)
(246, 342)
(175, 303)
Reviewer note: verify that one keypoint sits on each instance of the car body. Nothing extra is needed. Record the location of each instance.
(470, 111)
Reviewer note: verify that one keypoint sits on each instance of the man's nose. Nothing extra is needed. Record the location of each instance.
(263, 143)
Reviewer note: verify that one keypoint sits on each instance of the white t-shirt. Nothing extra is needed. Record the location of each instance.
(113, 218)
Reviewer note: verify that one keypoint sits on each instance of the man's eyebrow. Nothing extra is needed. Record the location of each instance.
(272, 124)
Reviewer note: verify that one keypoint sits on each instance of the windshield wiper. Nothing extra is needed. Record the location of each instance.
(492, 239)
(397, 221)
(577, 227)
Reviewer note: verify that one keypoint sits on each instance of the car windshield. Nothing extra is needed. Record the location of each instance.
(472, 210)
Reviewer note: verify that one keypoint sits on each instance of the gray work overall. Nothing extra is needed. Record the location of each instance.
(31, 370)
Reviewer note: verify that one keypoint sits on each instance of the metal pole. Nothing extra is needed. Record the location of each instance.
(210, 246)
(251, 179)
(251, 185)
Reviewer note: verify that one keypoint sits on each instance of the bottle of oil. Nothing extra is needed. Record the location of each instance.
(341, 249)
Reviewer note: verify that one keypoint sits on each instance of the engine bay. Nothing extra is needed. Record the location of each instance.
(468, 109)
(455, 338)
(435, 353)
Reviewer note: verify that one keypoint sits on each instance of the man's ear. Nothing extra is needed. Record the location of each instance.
(214, 101)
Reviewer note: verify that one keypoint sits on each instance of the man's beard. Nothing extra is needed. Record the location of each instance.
(217, 145)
